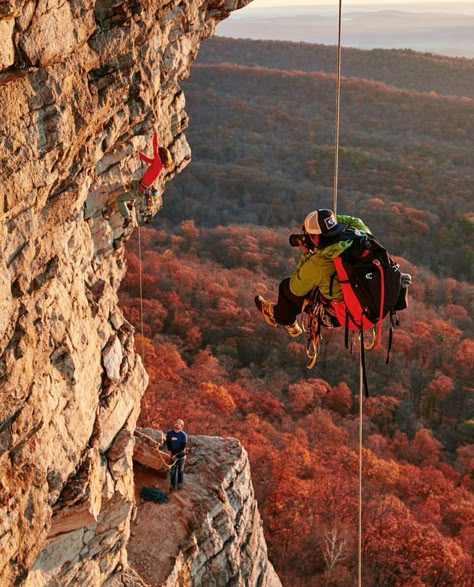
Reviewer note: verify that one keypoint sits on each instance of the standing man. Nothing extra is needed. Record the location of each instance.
(176, 440)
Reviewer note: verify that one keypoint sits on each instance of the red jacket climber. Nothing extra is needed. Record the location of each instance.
(161, 158)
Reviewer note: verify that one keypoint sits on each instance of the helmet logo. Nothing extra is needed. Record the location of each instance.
(330, 222)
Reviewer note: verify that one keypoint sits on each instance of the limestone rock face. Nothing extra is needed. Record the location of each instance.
(83, 83)
(213, 533)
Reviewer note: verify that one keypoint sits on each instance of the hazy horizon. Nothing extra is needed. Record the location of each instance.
(464, 6)
(435, 27)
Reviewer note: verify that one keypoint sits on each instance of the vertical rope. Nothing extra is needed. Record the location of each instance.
(337, 123)
(140, 286)
(334, 205)
(361, 394)
(140, 289)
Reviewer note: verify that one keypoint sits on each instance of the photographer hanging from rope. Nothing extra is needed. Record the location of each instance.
(322, 240)
(176, 441)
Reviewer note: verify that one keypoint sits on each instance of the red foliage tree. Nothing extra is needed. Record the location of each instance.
(400, 550)
(339, 399)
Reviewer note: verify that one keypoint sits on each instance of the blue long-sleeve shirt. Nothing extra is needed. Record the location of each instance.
(176, 441)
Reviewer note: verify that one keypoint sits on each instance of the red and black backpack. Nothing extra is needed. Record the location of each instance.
(370, 281)
(371, 286)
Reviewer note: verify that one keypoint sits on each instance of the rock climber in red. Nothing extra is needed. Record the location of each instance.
(161, 158)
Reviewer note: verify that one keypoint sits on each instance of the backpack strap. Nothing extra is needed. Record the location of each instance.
(394, 321)
(362, 362)
(344, 280)
(381, 304)
(346, 329)
(389, 345)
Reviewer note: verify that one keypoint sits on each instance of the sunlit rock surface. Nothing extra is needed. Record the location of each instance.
(213, 530)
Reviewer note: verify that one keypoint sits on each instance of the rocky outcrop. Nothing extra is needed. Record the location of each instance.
(213, 534)
(150, 449)
(82, 85)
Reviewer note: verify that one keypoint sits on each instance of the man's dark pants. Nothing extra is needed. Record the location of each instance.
(288, 306)
(177, 471)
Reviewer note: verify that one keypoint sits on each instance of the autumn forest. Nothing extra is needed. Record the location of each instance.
(261, 133)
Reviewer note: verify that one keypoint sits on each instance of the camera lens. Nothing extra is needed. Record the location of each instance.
(295, 239)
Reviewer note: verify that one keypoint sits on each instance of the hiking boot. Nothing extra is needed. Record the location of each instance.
(107, 212)
(266, 308)
(294, 330)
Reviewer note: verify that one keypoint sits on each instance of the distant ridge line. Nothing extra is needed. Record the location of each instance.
(404, 69)
(232, 67)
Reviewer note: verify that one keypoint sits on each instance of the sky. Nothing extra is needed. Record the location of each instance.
(347, 3)
(443, 6)
(444, 27)
(263, 3)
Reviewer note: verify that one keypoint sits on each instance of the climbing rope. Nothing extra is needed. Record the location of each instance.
(151, 440)
(140, 289)
(361, 372)
(337, 117)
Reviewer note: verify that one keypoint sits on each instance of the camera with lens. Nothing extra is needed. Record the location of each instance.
(303, 239)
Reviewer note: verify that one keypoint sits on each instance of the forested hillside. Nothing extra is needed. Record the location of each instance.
(213, 361)
(424, 72)
(263, 143)
(262, 158)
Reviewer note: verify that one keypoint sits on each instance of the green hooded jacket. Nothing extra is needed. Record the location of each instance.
(316, 267)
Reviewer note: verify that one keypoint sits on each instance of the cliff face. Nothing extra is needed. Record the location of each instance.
(82, 85)
(213, 530)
